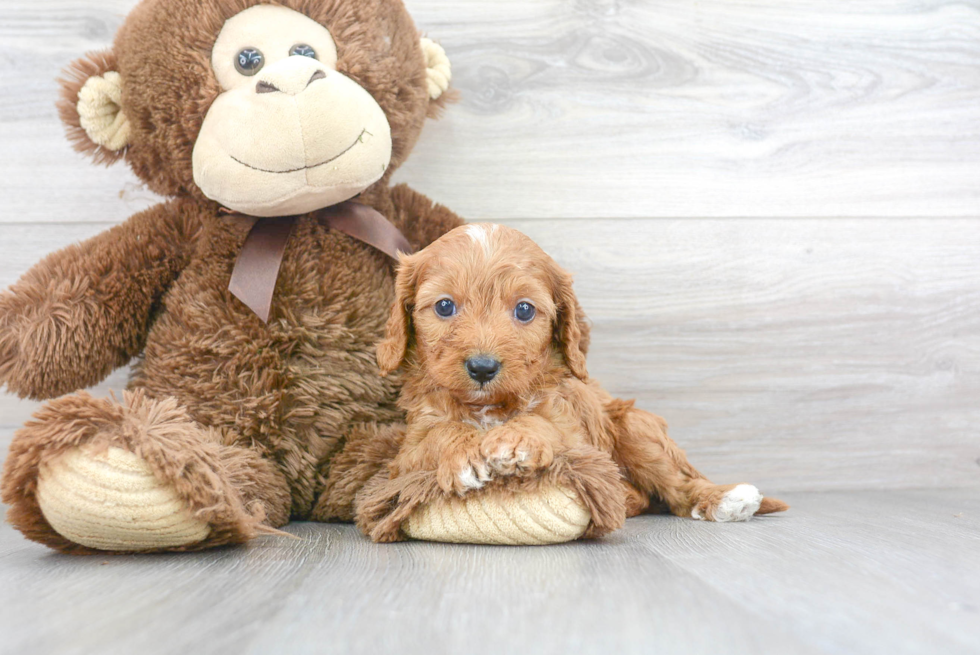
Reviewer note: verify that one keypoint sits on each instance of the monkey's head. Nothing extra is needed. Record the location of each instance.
(268, 108)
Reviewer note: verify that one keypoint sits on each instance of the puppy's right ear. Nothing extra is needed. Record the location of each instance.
(91, 107)
(393, 348)
(571, 327)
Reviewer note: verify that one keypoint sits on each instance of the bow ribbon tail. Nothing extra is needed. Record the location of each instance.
(253, 279)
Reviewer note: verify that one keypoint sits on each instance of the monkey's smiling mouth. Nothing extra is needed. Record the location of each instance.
(359, 139)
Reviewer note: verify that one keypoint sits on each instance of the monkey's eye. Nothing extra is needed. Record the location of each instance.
(524, 311)
(445, 307)
(302, 50)
(249, 61)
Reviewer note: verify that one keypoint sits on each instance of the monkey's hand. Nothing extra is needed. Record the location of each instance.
(46, 337)
(85, 310)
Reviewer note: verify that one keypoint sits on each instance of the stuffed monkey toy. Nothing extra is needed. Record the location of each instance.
(250, 301)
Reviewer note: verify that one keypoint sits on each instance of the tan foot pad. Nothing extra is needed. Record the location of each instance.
(112, 501)
(551, 515)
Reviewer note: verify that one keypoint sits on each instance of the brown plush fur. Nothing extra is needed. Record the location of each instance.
(537, 415)
(256, 412)
(367, 450)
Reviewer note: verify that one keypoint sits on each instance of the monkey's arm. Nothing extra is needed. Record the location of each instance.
(86, 309)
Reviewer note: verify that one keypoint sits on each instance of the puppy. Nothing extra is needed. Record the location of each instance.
(493, 343)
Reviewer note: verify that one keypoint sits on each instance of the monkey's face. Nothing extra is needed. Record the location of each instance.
(267, 109)
(289, 133)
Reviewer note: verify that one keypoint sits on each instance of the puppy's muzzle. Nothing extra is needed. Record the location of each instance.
(482, 368)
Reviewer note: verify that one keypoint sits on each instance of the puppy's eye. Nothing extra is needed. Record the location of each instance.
(445, 307)
(524, 311)
(249, 61)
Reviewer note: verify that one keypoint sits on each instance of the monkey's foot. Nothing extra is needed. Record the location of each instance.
(92, 475)
(111, 500)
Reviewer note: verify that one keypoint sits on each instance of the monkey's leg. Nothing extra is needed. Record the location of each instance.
(368, 448)
(89, 475)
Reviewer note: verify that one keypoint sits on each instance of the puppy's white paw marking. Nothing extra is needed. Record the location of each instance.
(468, 478)
(695, 514)
(522, 456)
(739, 504)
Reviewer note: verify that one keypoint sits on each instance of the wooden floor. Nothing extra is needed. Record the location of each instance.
(868, 572)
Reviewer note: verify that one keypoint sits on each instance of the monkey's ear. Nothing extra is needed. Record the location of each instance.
(91, 107)
(571, 331)
(438, 75)
(393, 348)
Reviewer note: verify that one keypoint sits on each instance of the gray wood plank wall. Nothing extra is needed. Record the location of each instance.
(772, 209)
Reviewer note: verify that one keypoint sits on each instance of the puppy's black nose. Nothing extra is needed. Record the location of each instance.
(482, 368)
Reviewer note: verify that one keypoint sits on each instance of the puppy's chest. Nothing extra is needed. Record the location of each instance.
(487, 417)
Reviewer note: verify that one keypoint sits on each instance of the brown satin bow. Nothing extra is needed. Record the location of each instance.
(253, 279)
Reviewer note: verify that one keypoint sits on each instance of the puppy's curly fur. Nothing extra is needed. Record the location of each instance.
(473, 430)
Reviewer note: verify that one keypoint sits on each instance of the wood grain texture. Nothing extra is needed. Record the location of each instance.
(793, 354)
(672, 108)
(804, 354)
(610, 108)
(43, 179)
(863, 573)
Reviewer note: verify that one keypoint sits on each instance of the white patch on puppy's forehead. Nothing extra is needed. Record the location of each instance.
(481, 234)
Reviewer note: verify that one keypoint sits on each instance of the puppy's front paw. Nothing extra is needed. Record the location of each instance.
(509, 451)
(736, 504)
(462, 470)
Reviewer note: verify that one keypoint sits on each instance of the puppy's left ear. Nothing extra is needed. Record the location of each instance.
(393, 348)
(571, 333)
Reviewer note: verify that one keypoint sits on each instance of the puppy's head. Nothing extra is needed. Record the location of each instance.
(487, 313)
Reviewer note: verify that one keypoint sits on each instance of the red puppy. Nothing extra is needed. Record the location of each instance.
(493, 341)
